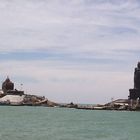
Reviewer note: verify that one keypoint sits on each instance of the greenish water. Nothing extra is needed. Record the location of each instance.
(42, 123)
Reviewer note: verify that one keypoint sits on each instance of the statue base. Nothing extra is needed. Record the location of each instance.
(134, 94)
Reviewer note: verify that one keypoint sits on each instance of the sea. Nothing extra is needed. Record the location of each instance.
(45, 123)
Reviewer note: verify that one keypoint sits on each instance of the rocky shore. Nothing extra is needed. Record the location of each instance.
(34, 100)
(118, 105)
(13, 98)
(26, 100)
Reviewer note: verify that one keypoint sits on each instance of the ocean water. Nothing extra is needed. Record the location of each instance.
(43, 123)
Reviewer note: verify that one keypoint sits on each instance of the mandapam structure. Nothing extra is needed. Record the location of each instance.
(8, 88)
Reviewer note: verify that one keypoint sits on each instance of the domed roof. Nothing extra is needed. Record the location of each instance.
(7, 85)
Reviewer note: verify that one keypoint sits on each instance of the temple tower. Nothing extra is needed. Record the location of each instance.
(8, 88)
(7, 85)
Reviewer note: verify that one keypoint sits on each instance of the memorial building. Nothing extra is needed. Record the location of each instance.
(8, 88)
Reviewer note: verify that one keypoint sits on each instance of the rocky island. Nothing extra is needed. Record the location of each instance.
(11, 96)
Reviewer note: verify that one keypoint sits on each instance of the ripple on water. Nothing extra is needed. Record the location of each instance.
(35, 123)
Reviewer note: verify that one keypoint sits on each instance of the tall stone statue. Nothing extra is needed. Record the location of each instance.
(137, 77)
(134, 93)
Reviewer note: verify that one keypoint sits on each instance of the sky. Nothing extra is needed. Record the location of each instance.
(81, 51)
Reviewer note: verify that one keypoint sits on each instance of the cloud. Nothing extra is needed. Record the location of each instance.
(67, 24)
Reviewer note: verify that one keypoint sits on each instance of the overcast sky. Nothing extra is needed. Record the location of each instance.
(83, 51)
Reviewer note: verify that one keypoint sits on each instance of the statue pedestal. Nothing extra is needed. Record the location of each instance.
(134, 94)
